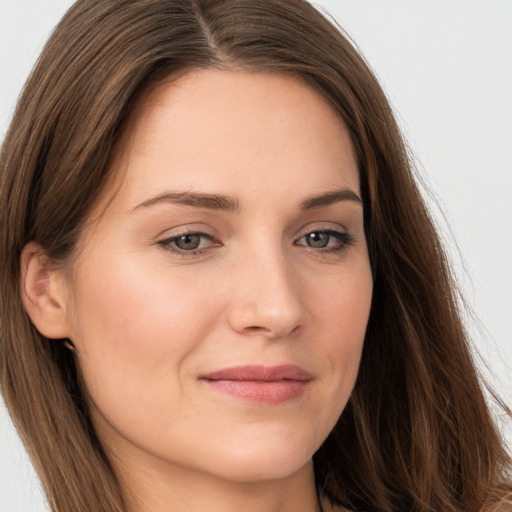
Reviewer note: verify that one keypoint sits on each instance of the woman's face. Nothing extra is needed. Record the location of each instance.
(219, 301)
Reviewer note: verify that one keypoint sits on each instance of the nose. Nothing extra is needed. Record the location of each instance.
(267, 300)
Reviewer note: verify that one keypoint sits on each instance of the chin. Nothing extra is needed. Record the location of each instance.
(258, 470)
(257, 461)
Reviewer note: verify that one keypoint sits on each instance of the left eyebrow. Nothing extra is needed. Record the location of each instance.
(328, 198)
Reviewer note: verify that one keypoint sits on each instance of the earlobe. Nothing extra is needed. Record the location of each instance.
(43, 293)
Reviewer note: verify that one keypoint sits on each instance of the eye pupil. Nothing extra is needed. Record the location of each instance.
(317, 239)
(188, 242)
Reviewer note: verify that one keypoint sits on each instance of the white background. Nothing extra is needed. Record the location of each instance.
(447, 68)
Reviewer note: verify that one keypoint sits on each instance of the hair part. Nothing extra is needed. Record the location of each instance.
(417, 433)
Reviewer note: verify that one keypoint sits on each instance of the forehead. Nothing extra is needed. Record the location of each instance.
(232, 131)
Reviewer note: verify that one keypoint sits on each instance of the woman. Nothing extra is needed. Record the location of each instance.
(221, 288)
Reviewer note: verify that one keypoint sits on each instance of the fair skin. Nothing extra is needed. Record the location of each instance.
(232, 237)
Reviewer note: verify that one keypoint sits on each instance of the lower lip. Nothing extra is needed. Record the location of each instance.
(271, 392)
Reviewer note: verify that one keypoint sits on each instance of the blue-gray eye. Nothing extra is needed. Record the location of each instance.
(188, 242)
(318, 239)
(327, 240)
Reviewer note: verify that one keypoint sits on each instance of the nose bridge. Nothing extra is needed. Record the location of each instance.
(268, 297)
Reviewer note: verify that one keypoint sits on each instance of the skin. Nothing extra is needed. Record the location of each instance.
(148, 319)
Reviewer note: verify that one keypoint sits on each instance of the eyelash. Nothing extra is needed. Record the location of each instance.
(167, 244)
(345, 241)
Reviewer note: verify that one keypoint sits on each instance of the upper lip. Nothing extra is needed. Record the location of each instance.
(260, 373)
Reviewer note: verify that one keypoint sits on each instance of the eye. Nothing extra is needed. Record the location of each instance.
(188, 243)
(326, 240)
(318, 239)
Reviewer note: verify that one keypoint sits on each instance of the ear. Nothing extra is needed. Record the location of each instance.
(43, 292)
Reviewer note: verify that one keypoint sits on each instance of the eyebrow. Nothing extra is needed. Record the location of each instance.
(232, 205)
(328, 198)
(200, 200)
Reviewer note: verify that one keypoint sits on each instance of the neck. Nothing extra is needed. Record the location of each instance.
(180, 490)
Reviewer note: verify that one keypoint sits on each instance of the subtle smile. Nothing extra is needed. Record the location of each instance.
(271, 385)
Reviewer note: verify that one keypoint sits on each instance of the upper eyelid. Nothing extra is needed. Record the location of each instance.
(333, 227)
(183, 230)
(342, 233)
(190, 232)
(187, 233)
(324, 230)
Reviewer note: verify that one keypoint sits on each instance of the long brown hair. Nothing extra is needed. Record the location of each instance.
(417, 433)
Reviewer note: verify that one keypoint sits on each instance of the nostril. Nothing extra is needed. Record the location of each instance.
(257, 329)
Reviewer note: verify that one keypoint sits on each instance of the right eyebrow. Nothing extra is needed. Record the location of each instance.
(200, 200)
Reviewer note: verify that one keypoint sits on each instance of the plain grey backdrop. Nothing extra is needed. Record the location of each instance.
(446, 66)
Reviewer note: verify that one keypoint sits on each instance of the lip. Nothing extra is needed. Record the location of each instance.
(258, 383)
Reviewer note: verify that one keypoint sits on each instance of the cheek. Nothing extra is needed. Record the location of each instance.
(136, 327)
(341, 303)
(340, 313)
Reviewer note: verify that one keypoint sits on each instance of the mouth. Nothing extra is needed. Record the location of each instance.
(263, 384)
